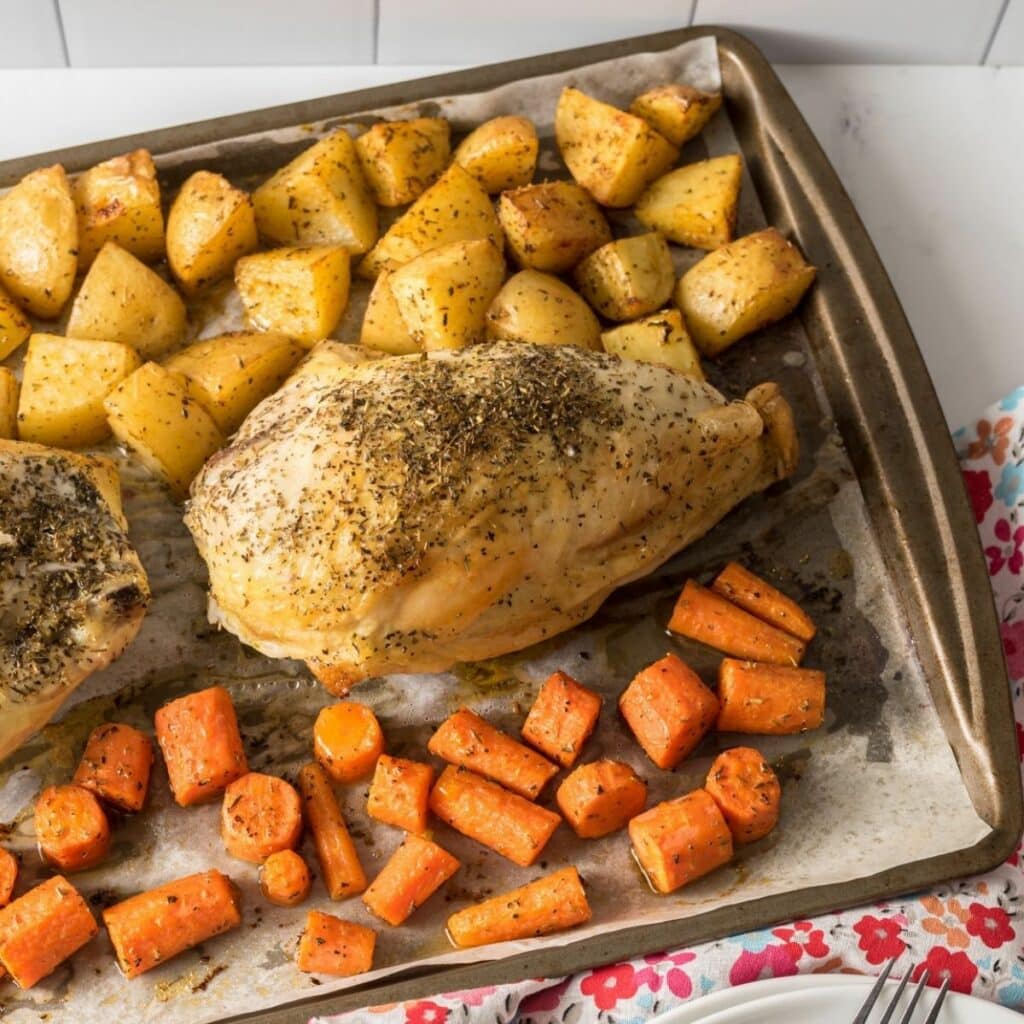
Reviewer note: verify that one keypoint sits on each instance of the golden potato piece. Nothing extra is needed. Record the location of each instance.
(210, 225)
(501, 153)
(8, 404)
(301, 292)
(383, 327)
(629, 277)
(740, 288)
(320, 198)
(169, 431)
(14, 325)
(696, 204)
(551, 226)
(401, 159)
(535, 307)
(63, 385)
(119, 201)
(39, 241)
(121, 299)
(454, 209)
(679, 112)
(443, 296)
(230, 374)
(612, 154)
(658, 338)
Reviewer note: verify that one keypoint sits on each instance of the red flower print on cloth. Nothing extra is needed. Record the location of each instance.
(992, 440)
(879, 938)
(610, 984)
(1008, 551)
(772, 962)
(941, 964)
(425, 1012)
(990, 924)
(1013, 648)
(979, 488)
(545, 999)
(471, 996)
(802, 938)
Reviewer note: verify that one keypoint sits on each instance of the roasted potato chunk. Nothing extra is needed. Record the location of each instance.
(228, 375)
(402, 159)
(39, 241)
(679, 112)
(741, 288)
(169, 431)
(454, 209)
(658, 338)
(383, 327)
(63, 385)
(119, 201)
(14, 325)
(301, 292)
(443, 296)
(121, 299)
(551, 226)
(696, 204)
(501, 153)
(210, 225)
(612, 154)
(629, 277)
(8, 404)
(320, 198)
(535, 307)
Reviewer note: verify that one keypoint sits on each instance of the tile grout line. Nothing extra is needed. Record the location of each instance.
(63, 35)
(995, 32)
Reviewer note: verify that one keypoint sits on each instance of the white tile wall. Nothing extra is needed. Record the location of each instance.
(124, 33)
(1008, 43)
(30, 36)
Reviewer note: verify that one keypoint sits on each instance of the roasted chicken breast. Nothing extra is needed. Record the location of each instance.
(407, 513)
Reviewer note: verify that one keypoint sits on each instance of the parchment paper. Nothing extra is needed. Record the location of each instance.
(876, 787)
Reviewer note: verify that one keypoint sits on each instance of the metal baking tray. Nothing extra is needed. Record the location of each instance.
(885, 410)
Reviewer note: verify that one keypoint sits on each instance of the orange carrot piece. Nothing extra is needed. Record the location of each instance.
(198, 736)
(8, 875)
(600, 798)
(285, 879)
(551, 904)
(669, 710)
(342, 873)
(152, 927)
(747, 792)
(482, 810)
(400, 793)
(261, 815)
(467, 740)
(760, 598)
(416, 870)
(680, 840)
(562, 718)
(72, 831)
(41, 929)
(773, 700)
(347, 740)
(703, 615)
(332, 946)
(116, 765)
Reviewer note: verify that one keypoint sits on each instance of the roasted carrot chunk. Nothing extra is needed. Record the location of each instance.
(198, 736)
(482, 810)
(347, 740)
(669, 710)
(41, 929)
(261, 815)
(599, 798)
(760, 598)
(703, 615)
(152, 927)
(284, 878)
(747, 792)
(8, 875)
(680, 840)
(416, 870)
(116, 764)
(332, 946)
(467, 740)
(72, 831)
(562, 718)
(342, 873)
(773, 700)
(400, 793)
(551, 904)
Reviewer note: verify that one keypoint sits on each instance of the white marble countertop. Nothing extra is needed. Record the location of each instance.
(930, 156)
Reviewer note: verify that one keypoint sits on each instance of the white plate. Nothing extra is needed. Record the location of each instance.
(811, 999)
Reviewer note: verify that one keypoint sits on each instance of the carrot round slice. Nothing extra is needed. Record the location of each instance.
(260, 815)
(747, 792)
(347, 740)
(72, 831)
(330, 945)
(285, 879)
(8, 875)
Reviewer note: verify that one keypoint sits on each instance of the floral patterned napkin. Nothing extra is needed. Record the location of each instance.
(971, 930)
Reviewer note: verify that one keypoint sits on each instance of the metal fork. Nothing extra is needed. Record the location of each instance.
(908, 1016)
